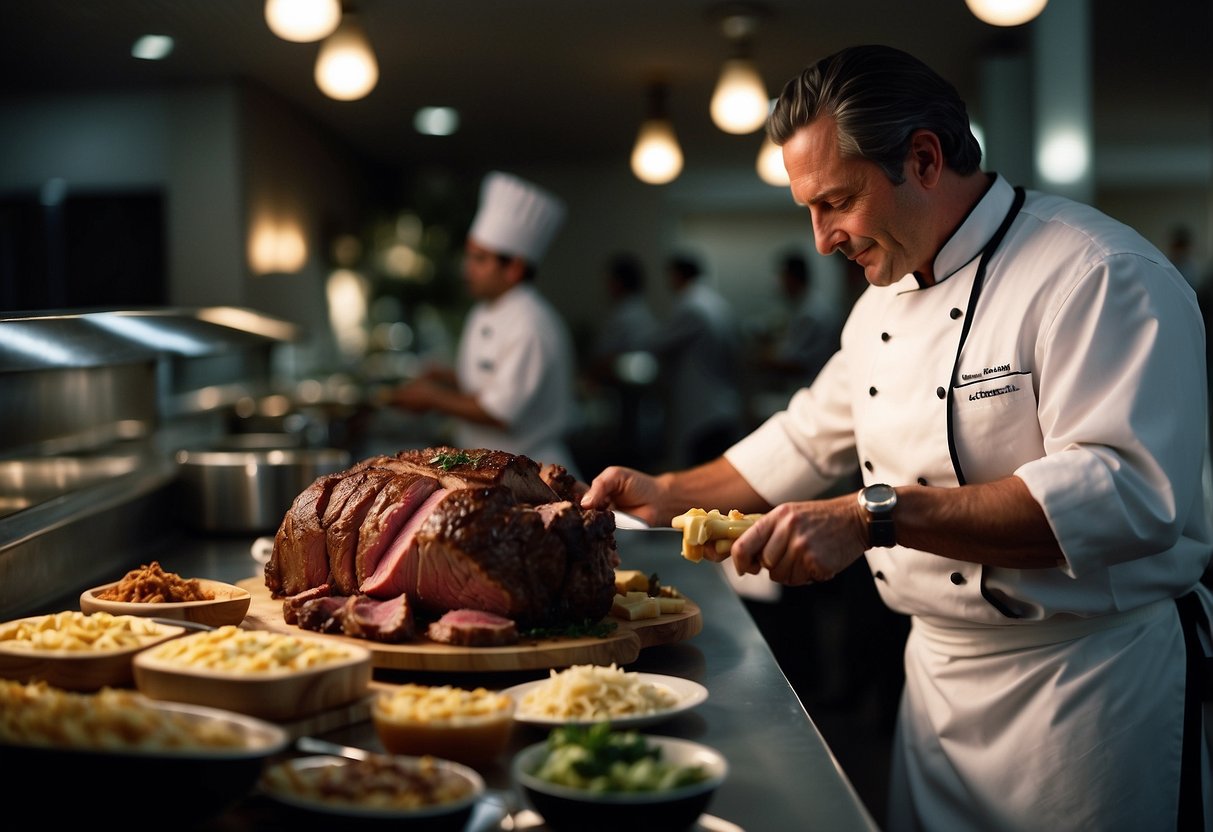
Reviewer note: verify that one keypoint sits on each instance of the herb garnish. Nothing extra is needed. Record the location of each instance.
(598, 629)
(446, 461)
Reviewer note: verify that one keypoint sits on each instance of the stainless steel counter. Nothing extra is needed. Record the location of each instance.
(782, 777)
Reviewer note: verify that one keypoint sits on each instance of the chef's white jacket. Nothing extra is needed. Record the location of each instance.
(1083, 374)
(515, 356)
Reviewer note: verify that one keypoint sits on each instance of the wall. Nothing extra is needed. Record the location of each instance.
(221, 154)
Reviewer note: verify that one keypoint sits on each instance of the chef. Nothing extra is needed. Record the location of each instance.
(1023, 387)
(512, 386)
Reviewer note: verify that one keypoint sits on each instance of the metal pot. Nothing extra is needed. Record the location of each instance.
(248, 491)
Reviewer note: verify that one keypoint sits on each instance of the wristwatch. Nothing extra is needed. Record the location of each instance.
(878, 502)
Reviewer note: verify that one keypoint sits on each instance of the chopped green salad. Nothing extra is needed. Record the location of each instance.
(601, 760)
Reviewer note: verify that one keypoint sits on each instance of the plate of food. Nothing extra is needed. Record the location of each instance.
(586, 694)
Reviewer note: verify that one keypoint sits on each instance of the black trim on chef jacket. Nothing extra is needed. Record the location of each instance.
(1198, 689)
(974, 294)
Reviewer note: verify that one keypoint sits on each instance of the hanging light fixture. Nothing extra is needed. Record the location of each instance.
(346, 67)
(1005, 12)
(770, 164)
(657, 158)
(302, 21)
(739, 102)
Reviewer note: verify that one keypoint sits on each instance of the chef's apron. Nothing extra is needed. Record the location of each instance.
(1069, 725)
(1064, 724)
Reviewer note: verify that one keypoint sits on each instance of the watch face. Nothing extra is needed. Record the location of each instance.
(879, 497)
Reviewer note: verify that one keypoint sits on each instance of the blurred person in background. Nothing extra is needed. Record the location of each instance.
(698, 350)
(622, 372)
(512, 386)
(1024, 386)
(809, 336)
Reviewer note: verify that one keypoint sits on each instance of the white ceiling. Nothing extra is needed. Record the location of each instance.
(564, 80)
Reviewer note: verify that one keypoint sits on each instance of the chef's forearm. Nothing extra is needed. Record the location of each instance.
(714, 484)
(997, 524)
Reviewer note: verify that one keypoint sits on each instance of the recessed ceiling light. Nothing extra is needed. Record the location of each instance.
(152, 47)
(436, 121)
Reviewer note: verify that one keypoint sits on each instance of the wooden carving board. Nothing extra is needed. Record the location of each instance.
(621, 647)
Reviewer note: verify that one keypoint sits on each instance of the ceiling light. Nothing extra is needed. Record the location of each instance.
(1005, 12)
(346, 68)
(436, 121)
(302, 21)
(657, 158)
(770, 164)
(739, 102)
(152, 47)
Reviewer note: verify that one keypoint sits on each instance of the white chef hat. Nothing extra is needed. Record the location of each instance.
(516, 217)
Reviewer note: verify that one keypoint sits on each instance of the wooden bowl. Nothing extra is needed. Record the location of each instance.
(273, 693)
(76, 670)
(229, 606)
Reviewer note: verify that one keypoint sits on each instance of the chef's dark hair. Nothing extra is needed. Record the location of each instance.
(878, 96)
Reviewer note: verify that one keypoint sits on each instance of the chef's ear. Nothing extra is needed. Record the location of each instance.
(925, 162)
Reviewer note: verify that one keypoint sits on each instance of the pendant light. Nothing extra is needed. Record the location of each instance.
(770, 164)
(740, 101)
(346, 67)
(1005, 12)
(302, 21)
(657, 157)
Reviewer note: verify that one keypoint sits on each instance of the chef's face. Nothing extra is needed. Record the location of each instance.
(855, 208)
(486, 275)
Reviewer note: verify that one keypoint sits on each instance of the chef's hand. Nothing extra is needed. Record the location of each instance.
(630, 491)
(800, 543)
(418, 395)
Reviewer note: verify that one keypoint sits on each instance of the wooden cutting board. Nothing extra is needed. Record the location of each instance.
(621, 647)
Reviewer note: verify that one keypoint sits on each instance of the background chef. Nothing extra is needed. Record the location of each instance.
(512, 386)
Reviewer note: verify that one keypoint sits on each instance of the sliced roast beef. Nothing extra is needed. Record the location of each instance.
(480, 549)
(449, 529)
(389, 620)
(300, 558)
(473, 628)
(397, 502)
(291, 605)
(323, 615)
(396, 572)
(341, 533)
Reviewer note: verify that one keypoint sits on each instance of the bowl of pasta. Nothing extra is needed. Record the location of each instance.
(596, 778)
(140, 762)
(470, 726)
(76, 650)
(263, 674)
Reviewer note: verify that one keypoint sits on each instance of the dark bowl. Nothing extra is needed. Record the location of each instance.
(312, 812)
(566, 809)
(144, 787)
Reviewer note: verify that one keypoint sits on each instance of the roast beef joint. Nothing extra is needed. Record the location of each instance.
(390, 546)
